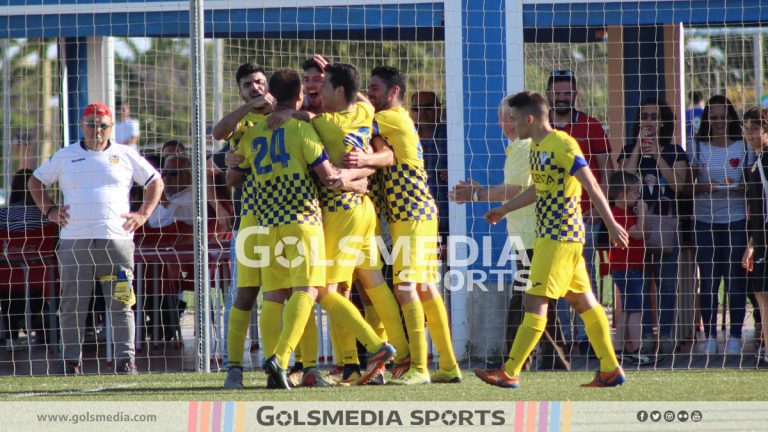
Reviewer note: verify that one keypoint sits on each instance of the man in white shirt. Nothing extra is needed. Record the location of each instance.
(95, 177)
(126, 128)
(177, 202)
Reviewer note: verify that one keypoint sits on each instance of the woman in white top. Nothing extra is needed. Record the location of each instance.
(718, 155)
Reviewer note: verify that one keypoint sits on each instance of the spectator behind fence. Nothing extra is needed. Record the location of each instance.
(21, 214)
(178, 196)
(521, 226)
(756, 253)
(127, 129)
(426, 113)
(172, 147)
(95, 177)
(662, 167)
(562, 94)
(693, 115)
(627, 263)
(717, 157)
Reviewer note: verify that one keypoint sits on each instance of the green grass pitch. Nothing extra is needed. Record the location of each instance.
(709, 385)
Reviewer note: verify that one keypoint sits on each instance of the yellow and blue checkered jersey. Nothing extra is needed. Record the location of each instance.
(403, 186)
(554, 161)
(341, 132)
(248, 206)
(280, 161)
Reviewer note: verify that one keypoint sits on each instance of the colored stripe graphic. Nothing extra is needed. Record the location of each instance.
(205, 416)
(216, 423)
(543, 414)
(240, 417)
(519, 416)
(530, 417)
(565, 423)
(554, 418)
(192, 419)
(229, 415)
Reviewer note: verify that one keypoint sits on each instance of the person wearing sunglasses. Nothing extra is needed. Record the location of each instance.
(178, 196)
(96, 240)
(562, 94)
(718, 155)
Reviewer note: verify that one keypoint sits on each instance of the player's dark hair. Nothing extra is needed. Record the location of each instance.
(619, 182)
(285, 85)
(757, 115)
(529, 102)
(392, 77)
(246, 69)
(311, 63)
(347, 76)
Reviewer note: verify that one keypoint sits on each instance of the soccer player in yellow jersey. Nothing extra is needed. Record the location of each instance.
(294, 242)
(412, 218)
(559, 171)
(252, 87)
(349, 219)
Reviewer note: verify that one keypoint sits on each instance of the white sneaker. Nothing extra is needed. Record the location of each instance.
(733, 346)
(708, 346)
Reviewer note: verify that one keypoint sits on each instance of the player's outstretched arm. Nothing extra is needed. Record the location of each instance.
(524, 199)
(619, 236)
(382, 156)
(228, 124)
(470, 190)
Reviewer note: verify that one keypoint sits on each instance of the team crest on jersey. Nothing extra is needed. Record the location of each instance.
(543, 158)
(114, 160)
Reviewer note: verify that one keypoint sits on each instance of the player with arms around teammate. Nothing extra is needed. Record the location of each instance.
(412, 218)
(559, 171)
(288, 207)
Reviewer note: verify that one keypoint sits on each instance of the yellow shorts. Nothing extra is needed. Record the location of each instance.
(248, 272)
(414, 251)
(557, 268)
(350, 242)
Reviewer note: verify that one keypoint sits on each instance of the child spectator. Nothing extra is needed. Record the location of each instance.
(627, 264)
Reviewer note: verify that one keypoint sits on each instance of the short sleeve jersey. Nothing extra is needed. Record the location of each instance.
(247, 204)
(404, 184)
(589, 133)
(280, 160)
(521, 223)
(96, 186)
(340, 132)
(553, 163)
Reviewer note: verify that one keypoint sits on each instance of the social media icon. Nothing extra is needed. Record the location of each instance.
(655, 416)
(642, 416)
(669, 416)
(696, 416)
(682, 416)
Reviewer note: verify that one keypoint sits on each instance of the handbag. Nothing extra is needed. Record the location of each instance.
(661, 232)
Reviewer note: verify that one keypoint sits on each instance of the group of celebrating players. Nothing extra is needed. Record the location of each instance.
(322, 167)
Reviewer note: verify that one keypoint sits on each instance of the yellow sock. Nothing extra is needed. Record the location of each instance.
(239, 320)
(347, 346)
(599, 334)
(306, 351)
(297, 312)
(437, 322)
(338, 357)
(528, 335)
(373, 320)
(347, 316)
(269, 326)
(389, 311)
(417, 338)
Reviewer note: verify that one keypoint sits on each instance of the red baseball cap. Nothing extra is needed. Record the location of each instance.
(97, 109)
